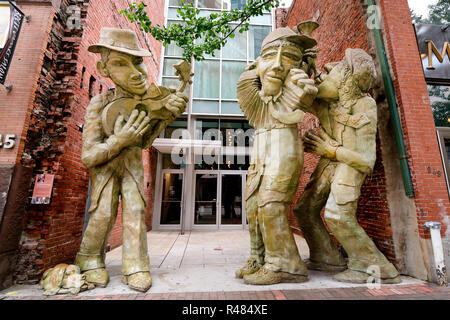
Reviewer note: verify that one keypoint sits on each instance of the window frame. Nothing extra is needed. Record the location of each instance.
(219, 58)
(443, 133)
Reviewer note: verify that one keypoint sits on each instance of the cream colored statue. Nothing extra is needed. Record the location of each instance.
(347, 146)
(270, 93)
(118, 125)
(63, 279)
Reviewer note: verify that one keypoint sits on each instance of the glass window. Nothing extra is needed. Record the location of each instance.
(216, 54)
(238, 4)
(236, 48)
(168, 69)
(234, 162)
(206, 13)
(447, 148)
(207, 129)
(176, 125)
(215, 78)
(174, 83)
(256, 35)
(263, 19)
(231, 72)
(205, 106)
(213, 4)
(177, 3)
(172, 49)
(207, 158)
(440, 104)
(237, 133)
(206, 79)
(168, 163)
(231, 107)
(173, 14)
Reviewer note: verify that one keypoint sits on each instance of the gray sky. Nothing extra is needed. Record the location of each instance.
(420, 7)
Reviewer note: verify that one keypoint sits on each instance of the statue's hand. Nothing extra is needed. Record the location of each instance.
(131, 132)
(322, 144)
(177, 104)
(303, 86)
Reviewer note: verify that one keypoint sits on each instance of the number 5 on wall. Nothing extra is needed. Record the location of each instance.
(9, 142)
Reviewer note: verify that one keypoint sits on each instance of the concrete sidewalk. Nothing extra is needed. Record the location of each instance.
(200, 262)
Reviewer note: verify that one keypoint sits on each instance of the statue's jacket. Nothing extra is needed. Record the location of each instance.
(101, 154)
(353, 126)
(277, 156)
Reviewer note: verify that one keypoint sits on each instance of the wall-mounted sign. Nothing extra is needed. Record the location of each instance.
(434, 48)
(11, 19)
(42, 191)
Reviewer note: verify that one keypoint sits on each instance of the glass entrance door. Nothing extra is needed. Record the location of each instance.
(172, 197)
(219, 199)
(231, 204)
(205, 202)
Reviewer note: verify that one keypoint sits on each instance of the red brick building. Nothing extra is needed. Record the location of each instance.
(53, 77)
(394, 220)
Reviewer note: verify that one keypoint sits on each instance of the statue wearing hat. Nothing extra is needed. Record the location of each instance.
(272, 93)
(118, 125)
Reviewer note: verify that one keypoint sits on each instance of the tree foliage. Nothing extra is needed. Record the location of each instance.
(197, 35)
(440, 104)
(439, 13)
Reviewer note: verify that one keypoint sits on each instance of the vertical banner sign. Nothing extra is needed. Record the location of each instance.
(11, 19)
(42, 191)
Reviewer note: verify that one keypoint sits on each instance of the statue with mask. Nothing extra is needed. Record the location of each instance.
(271, 92)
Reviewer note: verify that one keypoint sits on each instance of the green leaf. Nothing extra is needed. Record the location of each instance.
(196, 35)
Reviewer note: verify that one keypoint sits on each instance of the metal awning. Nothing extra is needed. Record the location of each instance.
(166, 146)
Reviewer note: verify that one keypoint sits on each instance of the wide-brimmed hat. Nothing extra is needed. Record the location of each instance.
(303, 41)
(125, 41)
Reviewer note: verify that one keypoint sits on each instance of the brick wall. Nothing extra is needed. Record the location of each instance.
(431, 197)
(15, 110)
(342, 26)
(22, 76)
(52, 141)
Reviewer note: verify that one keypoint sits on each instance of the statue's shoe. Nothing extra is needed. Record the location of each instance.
(98, 277)
(266, 277)
(140, 281)
(354, 276)
(322, 266)
(250, 267)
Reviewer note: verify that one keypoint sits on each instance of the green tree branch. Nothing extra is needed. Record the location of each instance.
(195, 35)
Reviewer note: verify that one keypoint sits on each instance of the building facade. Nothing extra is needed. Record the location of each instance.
(51, 80)
(204, 189)
(196, 171)
(393, 216)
